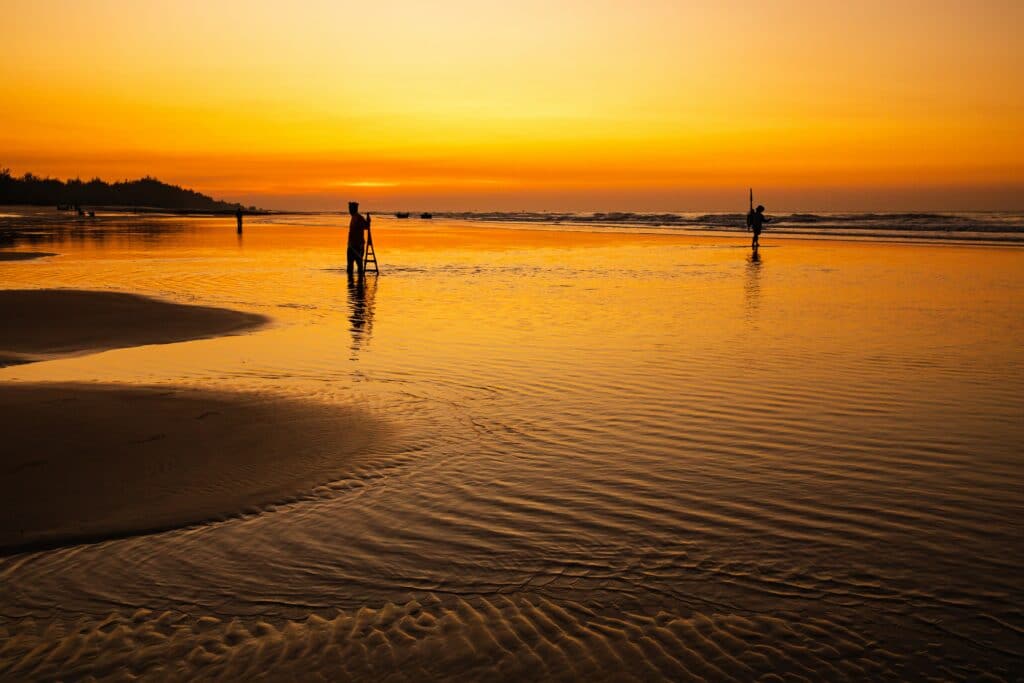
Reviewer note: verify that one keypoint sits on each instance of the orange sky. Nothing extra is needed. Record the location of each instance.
(528, 105)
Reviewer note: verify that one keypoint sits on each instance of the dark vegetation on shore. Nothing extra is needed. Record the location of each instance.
(30, 189)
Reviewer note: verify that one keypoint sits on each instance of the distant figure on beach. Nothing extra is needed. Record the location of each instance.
(238, 219)
(755, 221)
(357, 226)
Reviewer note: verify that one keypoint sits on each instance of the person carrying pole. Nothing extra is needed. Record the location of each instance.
(755, 221)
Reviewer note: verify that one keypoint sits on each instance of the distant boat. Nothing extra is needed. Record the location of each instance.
(402, 214)
(426, 215)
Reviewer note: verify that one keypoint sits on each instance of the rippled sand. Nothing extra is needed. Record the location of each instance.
(613, 456)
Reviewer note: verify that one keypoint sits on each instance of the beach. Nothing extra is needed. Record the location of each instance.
(521, 452)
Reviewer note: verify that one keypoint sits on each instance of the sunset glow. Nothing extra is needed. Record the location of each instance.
(530, 105)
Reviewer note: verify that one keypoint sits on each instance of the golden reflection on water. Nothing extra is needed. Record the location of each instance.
(508, 307)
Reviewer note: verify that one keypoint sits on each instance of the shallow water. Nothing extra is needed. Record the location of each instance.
(612, 455)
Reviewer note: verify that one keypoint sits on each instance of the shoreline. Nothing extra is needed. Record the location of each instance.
(987, 228)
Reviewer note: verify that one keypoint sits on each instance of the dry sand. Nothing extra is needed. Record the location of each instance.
(47, 323)
(87, 462)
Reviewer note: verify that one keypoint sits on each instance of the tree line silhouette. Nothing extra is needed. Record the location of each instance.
(145, 192)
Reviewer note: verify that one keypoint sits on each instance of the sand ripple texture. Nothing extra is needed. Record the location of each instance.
(613, 458)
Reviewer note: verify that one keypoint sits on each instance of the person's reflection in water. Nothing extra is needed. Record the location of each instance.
(361, 293)
(752, 285)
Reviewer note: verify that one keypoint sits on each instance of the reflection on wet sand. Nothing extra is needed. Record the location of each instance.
(752, 284)
(362, 291)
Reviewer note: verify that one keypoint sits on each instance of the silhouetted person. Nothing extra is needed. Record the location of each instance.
(357, 226)
(238, 219)
(756, 220)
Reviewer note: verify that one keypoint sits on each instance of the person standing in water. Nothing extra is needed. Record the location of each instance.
(357, 226)
(756, 220)
(238, 219)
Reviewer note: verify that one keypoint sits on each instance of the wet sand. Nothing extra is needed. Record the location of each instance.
(23, 255)
(49, 323)
(620, 457)
(440, 638)
(88, 462)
